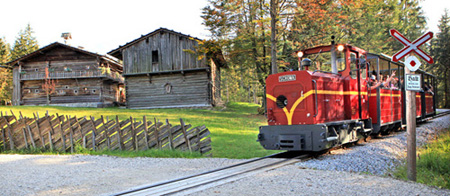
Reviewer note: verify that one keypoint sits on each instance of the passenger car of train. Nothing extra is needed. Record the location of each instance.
(333, 99)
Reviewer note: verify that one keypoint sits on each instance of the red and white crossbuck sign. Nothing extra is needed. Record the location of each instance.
(411, 47)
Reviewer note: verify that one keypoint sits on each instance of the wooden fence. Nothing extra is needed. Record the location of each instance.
(64, 133)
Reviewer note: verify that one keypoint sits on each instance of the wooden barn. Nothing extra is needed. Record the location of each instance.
(160, 72)
(60, 74)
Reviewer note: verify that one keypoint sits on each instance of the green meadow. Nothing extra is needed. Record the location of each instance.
(233, 128)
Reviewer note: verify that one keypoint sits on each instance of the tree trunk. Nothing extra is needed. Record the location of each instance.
(273, 41)
(447, 89)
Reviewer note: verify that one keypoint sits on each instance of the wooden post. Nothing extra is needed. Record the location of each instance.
(108, 143)
(157, 135)
(25, 138)
(63, 137)
(41, 137)
(11, 142)
(119, 134)
(133, 134)
(146, 133)
(31, 136)
(94, 130)
(50, 140)
(411, 131)
(170, 135)
(71, 134)
(4, 139)
(188, 143)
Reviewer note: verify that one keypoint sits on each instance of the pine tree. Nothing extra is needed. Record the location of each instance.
(441, 57)
(5, 74)
(25, 43)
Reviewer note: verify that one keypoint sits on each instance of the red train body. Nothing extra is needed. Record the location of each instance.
(315, 110)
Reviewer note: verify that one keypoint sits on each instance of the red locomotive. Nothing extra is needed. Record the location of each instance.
(341, 94)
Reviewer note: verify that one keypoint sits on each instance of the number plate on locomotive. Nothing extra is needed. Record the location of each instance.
(287, 78)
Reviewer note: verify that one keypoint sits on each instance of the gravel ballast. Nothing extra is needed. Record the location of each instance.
(338, 173)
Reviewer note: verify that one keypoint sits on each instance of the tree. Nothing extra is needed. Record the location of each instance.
(441, 56)
(25, 43)
(5, 73)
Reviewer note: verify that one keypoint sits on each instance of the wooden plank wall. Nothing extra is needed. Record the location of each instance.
(189, 89)
(171, 55)
(64, 133)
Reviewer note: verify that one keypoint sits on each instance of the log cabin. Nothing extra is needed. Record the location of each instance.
(62, 75)
(159, 72)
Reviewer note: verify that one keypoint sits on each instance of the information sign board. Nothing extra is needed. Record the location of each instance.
(413, 82)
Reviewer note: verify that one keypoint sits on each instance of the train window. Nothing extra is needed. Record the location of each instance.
(363, 66)
(384, 70)
(322, 61)
(353, 68)
(394, 80)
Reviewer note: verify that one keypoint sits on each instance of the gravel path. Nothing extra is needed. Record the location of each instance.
(330, 174)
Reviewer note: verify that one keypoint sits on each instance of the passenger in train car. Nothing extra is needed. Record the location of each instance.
(374, 84)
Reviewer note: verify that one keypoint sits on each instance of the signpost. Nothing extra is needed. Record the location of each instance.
(412, 84)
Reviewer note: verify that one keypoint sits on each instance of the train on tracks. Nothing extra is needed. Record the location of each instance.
(340, 94)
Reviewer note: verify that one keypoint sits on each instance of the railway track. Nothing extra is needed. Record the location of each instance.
(197, 182)
(201, 181)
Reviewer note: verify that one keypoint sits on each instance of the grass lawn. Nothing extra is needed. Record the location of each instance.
(234, 129)
(433, 163)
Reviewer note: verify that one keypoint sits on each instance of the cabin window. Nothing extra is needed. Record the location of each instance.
(66, 86)
(75, 91)
(93, 91)
(168, 88)
(36, 70)
(155, 56)
(36, 90)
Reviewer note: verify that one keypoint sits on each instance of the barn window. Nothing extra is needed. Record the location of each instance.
(155, 56)
(168, 88)
(146, 40)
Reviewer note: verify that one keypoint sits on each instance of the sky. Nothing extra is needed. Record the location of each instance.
(102, 25)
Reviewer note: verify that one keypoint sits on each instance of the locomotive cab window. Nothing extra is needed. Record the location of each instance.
(322, 60)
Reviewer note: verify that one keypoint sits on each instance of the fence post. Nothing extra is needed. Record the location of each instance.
(119, 134)
(170, 135)
(71, 134)
(25, 138)
(145, 133)
(133, 134)
(11, 142)
(39, 129)
(50, 140)
(106, 133)
(185, 135)
(63, 137)
(94, 130)
(157, 135)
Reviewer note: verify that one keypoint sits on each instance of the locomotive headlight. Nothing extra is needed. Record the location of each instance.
(340, 48)
(299, 54)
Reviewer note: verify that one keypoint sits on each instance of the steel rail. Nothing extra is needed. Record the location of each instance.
(213, 176)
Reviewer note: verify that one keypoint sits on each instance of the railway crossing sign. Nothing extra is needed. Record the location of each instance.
(411, 46)
(412, 63)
